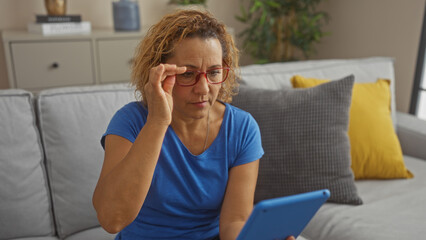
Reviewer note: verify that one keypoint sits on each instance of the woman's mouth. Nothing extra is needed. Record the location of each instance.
(201, 104)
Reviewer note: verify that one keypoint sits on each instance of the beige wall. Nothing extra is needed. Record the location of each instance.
(15, 14)
(360, 28)
(363, 28)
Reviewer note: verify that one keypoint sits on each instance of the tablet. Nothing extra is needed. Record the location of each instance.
(281, 217)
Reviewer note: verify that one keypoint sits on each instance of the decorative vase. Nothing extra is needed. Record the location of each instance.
(126, 15)
(56, 7)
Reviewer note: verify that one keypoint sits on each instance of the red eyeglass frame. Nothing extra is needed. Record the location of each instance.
(197, 77)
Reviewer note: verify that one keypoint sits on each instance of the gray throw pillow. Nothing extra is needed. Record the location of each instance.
(304, 135)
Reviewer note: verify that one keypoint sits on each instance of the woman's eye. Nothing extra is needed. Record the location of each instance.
(187, 74)
(213, 73)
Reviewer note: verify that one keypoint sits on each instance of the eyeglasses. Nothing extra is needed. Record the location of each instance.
(213, 76)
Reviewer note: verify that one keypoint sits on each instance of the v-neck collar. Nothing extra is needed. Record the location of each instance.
(225, 116)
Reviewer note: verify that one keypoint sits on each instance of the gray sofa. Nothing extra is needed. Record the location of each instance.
(50, 160)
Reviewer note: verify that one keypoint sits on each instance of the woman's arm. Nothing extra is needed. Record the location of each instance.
(238, 202)
(126, 177)
(128, 168)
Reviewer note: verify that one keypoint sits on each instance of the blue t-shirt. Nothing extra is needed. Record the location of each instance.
(186, 193)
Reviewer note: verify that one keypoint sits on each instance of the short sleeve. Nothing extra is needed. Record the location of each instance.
(251, 143)
(127, 122)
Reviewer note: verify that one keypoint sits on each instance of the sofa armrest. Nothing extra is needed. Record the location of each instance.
(411, 132)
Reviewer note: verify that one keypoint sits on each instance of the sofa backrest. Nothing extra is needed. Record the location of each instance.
(72, 121)
(278, 75)
(25, 206)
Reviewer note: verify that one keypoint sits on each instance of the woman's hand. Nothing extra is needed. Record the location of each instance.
(290, 238)
(159, 92)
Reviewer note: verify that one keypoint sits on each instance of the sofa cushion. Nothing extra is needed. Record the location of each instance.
(71, 121)
(97, 233)
(25, 209)
(411, 132)
(36, 238)
(278, 75)
(375, 148)
(392, 210)
(304, 135)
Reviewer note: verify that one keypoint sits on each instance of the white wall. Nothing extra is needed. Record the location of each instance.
(359, 28)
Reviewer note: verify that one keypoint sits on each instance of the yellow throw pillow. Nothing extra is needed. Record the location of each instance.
(375, 149)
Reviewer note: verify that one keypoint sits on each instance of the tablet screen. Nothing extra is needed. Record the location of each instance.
(281, 217)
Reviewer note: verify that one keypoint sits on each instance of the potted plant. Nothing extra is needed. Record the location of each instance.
(188, 4)
(277, 28)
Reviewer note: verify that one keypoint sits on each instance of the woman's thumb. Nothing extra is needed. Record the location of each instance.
(168, 84)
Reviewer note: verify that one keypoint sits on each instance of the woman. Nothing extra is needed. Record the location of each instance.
(183, 163)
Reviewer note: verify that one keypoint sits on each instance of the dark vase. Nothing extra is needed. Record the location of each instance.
(126, 15)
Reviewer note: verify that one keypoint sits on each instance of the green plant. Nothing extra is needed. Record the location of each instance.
(187, 2)
(278, 27)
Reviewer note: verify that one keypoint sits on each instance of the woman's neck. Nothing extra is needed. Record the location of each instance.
(198, 134)
(188, 125)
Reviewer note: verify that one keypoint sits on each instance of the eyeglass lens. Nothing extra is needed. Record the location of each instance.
(213, 76)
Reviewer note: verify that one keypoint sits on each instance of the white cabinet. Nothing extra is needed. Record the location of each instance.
(52, 64)
(36, 62)
(115, 59)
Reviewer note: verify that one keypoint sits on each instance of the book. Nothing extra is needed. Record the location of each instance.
(57, 18)
(59, 28)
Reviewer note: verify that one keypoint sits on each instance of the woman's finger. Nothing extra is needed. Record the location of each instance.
(162, 71)
(169, 83)
(172, 69)
(155, 74)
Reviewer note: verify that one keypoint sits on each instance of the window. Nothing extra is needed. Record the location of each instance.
(418, 96)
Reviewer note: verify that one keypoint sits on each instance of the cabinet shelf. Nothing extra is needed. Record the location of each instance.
(36, 62)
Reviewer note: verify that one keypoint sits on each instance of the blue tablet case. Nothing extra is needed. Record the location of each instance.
(279, 218)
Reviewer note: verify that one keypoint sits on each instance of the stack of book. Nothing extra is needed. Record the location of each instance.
(59, 25)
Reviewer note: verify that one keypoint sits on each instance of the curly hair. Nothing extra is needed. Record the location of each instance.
(159, 43)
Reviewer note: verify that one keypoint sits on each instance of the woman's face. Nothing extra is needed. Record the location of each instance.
(200, 55)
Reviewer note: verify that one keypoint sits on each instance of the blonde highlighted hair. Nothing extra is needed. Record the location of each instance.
(161, 39)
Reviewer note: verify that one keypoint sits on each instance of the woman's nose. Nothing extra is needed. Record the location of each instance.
(202, 85)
